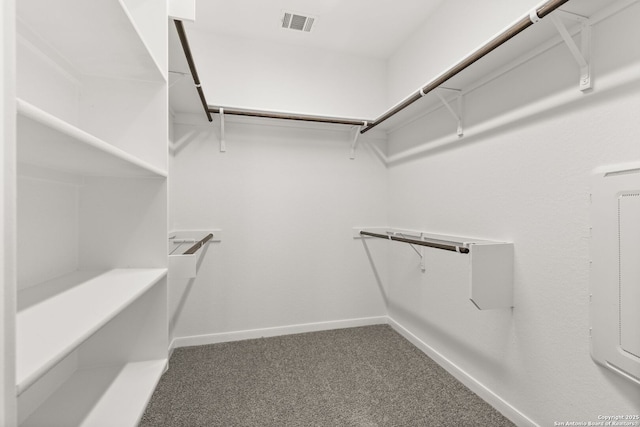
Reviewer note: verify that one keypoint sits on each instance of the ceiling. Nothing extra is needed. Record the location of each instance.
(363, 27)
(372, 29)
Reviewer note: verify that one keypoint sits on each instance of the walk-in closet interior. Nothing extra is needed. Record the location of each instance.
(442, 195)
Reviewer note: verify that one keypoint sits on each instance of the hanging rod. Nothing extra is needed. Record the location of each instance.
(193, 249)
(192, 66)
(250, 113)
(487, 48)
(524, 23)
(287, 116)
(452, 247)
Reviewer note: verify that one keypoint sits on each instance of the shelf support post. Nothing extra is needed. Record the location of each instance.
(223, 145)
(355, 133)
(457, 115)
(581, 54)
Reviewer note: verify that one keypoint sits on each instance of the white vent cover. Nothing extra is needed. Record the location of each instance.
(296, 21)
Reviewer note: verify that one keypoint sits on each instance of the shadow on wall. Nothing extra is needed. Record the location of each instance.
(414, 320)
(608, 88)
(188, 138)
(175, 316)
(376, 274)
(502, 328)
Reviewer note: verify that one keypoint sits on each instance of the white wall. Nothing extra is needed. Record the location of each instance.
(286, 197)
(285, 194)
(526, 181)
(43, 201)
(454, 30)
(262, 75)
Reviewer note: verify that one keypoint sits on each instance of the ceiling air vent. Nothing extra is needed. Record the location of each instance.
(294, 21)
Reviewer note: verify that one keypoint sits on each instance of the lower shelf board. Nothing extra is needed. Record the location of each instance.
(66, 311)
(107, 396)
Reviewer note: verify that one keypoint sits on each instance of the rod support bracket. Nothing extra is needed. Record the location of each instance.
(457, 113)
(533, 16)
(355, 133)
(581, 54)
(223, 144)
(422, 266)
(420, 251)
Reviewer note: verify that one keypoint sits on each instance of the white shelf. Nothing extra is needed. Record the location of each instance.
(186, 266)
(490, 263)
(107, 396)
(47, 141)
(54, 323)
(463, 242)
(97, 37)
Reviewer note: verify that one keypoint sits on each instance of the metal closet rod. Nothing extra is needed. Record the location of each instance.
(193, 249)
(287, 116)
(192, 66)
(250, 113)
(452, 247)
(487, 48)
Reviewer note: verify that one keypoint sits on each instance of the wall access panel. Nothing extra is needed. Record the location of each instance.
(615, 270)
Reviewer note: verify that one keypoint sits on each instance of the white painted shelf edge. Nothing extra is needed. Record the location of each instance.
(143, 40)
(106, 396)
(51, 329)
(85, 140)
(460, 241)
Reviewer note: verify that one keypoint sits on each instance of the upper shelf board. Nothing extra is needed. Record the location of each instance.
(47, 141)
(517, 51)
(97, 37)
(464, 242)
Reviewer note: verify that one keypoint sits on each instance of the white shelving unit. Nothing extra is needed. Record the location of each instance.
(102, 396)
(111, 38)
(91, 142)
(490, 262)
(80, 304)
(52, 143)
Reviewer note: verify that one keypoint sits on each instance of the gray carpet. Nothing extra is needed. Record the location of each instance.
(368, 376)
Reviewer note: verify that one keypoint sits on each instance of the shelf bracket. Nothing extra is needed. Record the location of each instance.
(223, 145)
(457, 113)
(420, 252)
(581, 54)
(355, 133)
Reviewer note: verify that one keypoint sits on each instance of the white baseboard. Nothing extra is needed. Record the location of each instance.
(465, 378)
(273, 332)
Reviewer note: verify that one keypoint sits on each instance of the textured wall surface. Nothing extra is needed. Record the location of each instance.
(526, 181)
